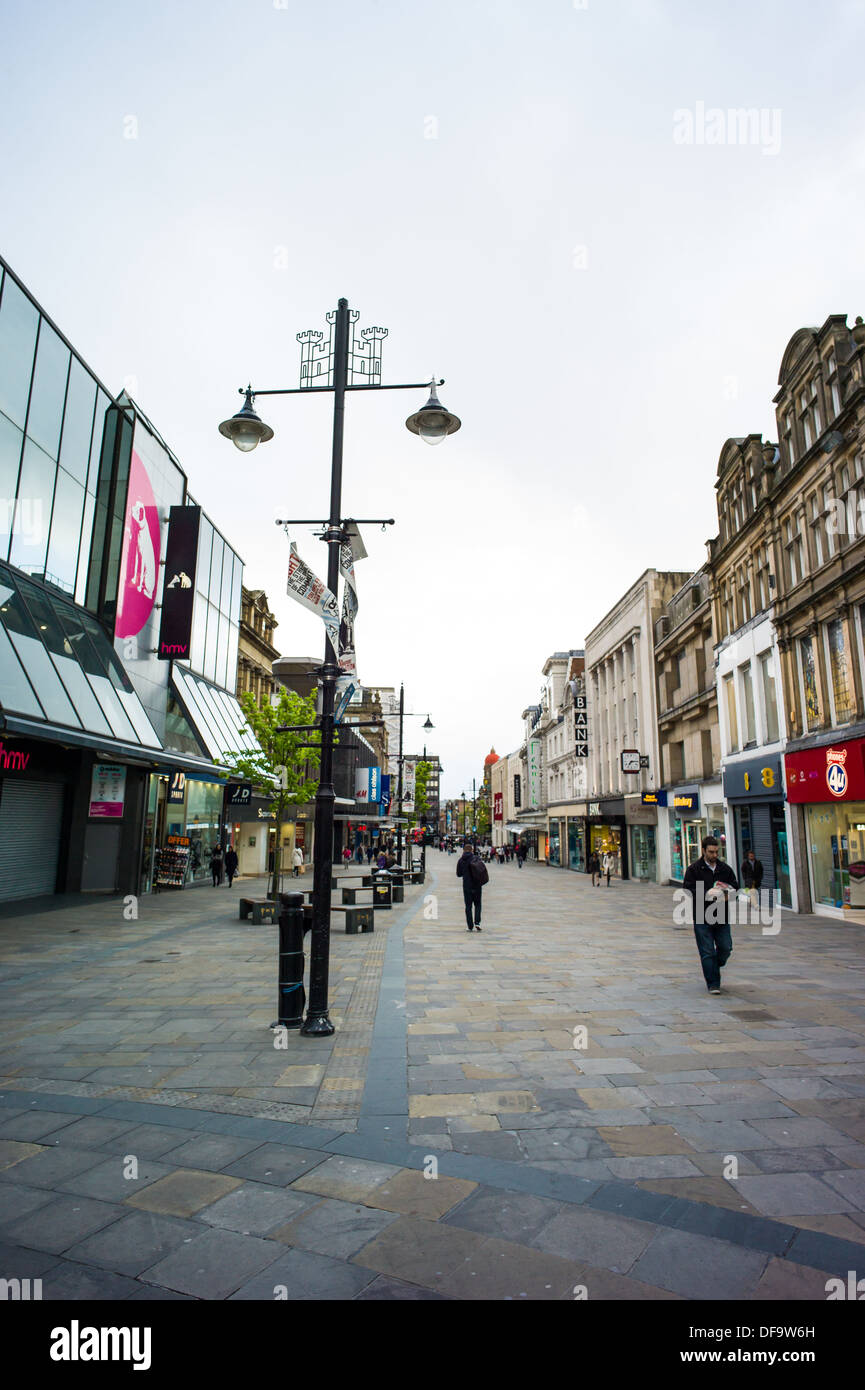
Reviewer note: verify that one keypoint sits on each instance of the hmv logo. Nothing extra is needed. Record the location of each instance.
(173, 649)
(13, 759)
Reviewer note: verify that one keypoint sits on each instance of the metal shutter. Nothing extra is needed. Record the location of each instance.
(31, 815)
(763, 841)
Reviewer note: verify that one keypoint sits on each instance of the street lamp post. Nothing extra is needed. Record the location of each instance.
(399, 792)
(332, 366)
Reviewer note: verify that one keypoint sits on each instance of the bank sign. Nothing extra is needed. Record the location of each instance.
(833, 773)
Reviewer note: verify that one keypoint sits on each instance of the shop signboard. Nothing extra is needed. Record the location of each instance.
(832, 773)
(367, 786)
(177, 789)
(754, 779)
(178, 592)
(518, 790)
(685, 801)
(498, 806)
(107, 790)
(533, 758)
(654, 798)
(240, 794)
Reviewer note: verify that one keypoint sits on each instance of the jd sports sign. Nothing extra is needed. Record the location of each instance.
(178, 594)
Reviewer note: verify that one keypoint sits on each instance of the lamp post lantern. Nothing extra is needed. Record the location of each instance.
(343, 361)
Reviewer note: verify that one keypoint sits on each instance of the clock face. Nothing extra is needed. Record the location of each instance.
(630, 761)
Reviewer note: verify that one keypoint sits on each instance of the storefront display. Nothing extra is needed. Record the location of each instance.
(830, 782)
(689, 824)
(172, 862)
(644, 855)
(554, 843)
(576, 843)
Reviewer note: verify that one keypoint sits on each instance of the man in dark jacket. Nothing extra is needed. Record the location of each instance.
(472, 871)
(710, 883)
(752, 871)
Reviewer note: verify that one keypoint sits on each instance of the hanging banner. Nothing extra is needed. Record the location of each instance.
(351, 550)
(178, 591)
(308, 589)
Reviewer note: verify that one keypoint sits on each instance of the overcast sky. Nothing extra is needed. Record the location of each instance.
(510, 189)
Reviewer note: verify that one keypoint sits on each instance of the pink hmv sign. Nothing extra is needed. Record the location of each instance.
(107, 788)
(139, 565)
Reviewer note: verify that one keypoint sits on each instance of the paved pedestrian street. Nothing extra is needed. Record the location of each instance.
(551, 1109)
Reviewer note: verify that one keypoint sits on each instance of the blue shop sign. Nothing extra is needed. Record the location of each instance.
(654, 798)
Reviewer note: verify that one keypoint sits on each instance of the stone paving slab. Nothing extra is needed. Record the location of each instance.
(530, 1150)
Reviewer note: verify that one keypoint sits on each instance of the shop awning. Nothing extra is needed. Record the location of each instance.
(215, 715)
(60, 674)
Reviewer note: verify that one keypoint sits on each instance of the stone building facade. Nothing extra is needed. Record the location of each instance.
(255, 650)
(690, 799)
(788, 571)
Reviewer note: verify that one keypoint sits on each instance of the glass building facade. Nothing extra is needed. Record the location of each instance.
(86, 488)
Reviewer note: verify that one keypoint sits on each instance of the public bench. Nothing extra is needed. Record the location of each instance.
(357, 919)
(261, 910)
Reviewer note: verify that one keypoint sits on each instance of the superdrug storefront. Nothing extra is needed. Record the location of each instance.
(829, 784)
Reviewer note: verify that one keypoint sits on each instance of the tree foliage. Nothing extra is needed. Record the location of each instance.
(282, 757)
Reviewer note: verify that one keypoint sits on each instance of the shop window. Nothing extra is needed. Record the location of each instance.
(750, 728)
(770, 699)
(732, 723)
(842, 700)
(808, 677)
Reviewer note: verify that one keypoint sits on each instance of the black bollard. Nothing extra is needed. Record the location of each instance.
(292, 995)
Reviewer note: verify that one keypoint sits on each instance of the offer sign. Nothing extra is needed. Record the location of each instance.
(107, 791)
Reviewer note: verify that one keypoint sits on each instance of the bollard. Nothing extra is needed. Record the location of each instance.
(292, 996)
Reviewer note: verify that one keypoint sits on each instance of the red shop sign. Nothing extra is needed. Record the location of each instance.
(833, 773)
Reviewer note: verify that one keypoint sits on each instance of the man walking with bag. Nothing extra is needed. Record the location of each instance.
(711, 883)
(474, 874)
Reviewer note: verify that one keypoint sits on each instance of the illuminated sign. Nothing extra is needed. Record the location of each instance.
(654, 798)
(686, 801)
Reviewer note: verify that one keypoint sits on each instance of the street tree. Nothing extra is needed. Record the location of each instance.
(284, 769)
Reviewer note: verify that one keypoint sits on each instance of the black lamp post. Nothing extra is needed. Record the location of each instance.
(342, 362)
(400, 760)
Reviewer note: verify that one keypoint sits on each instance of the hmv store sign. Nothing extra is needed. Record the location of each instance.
(178, 595)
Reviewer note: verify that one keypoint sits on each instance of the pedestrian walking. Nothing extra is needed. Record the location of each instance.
(594, 868)
(521, 854)
(346, 856)
(230, 863)
(752, 876)
(369, 853)
(609, 865)
(711, 883)
(216, 865)
(474, 874)
(358, 854)
(297, 860)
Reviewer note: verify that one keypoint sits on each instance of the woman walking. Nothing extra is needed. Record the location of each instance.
(609, 865)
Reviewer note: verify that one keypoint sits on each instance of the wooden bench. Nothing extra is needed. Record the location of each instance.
(357, 919)
(262, 909)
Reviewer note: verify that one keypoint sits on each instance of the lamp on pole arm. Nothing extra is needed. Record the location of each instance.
(338, 362)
